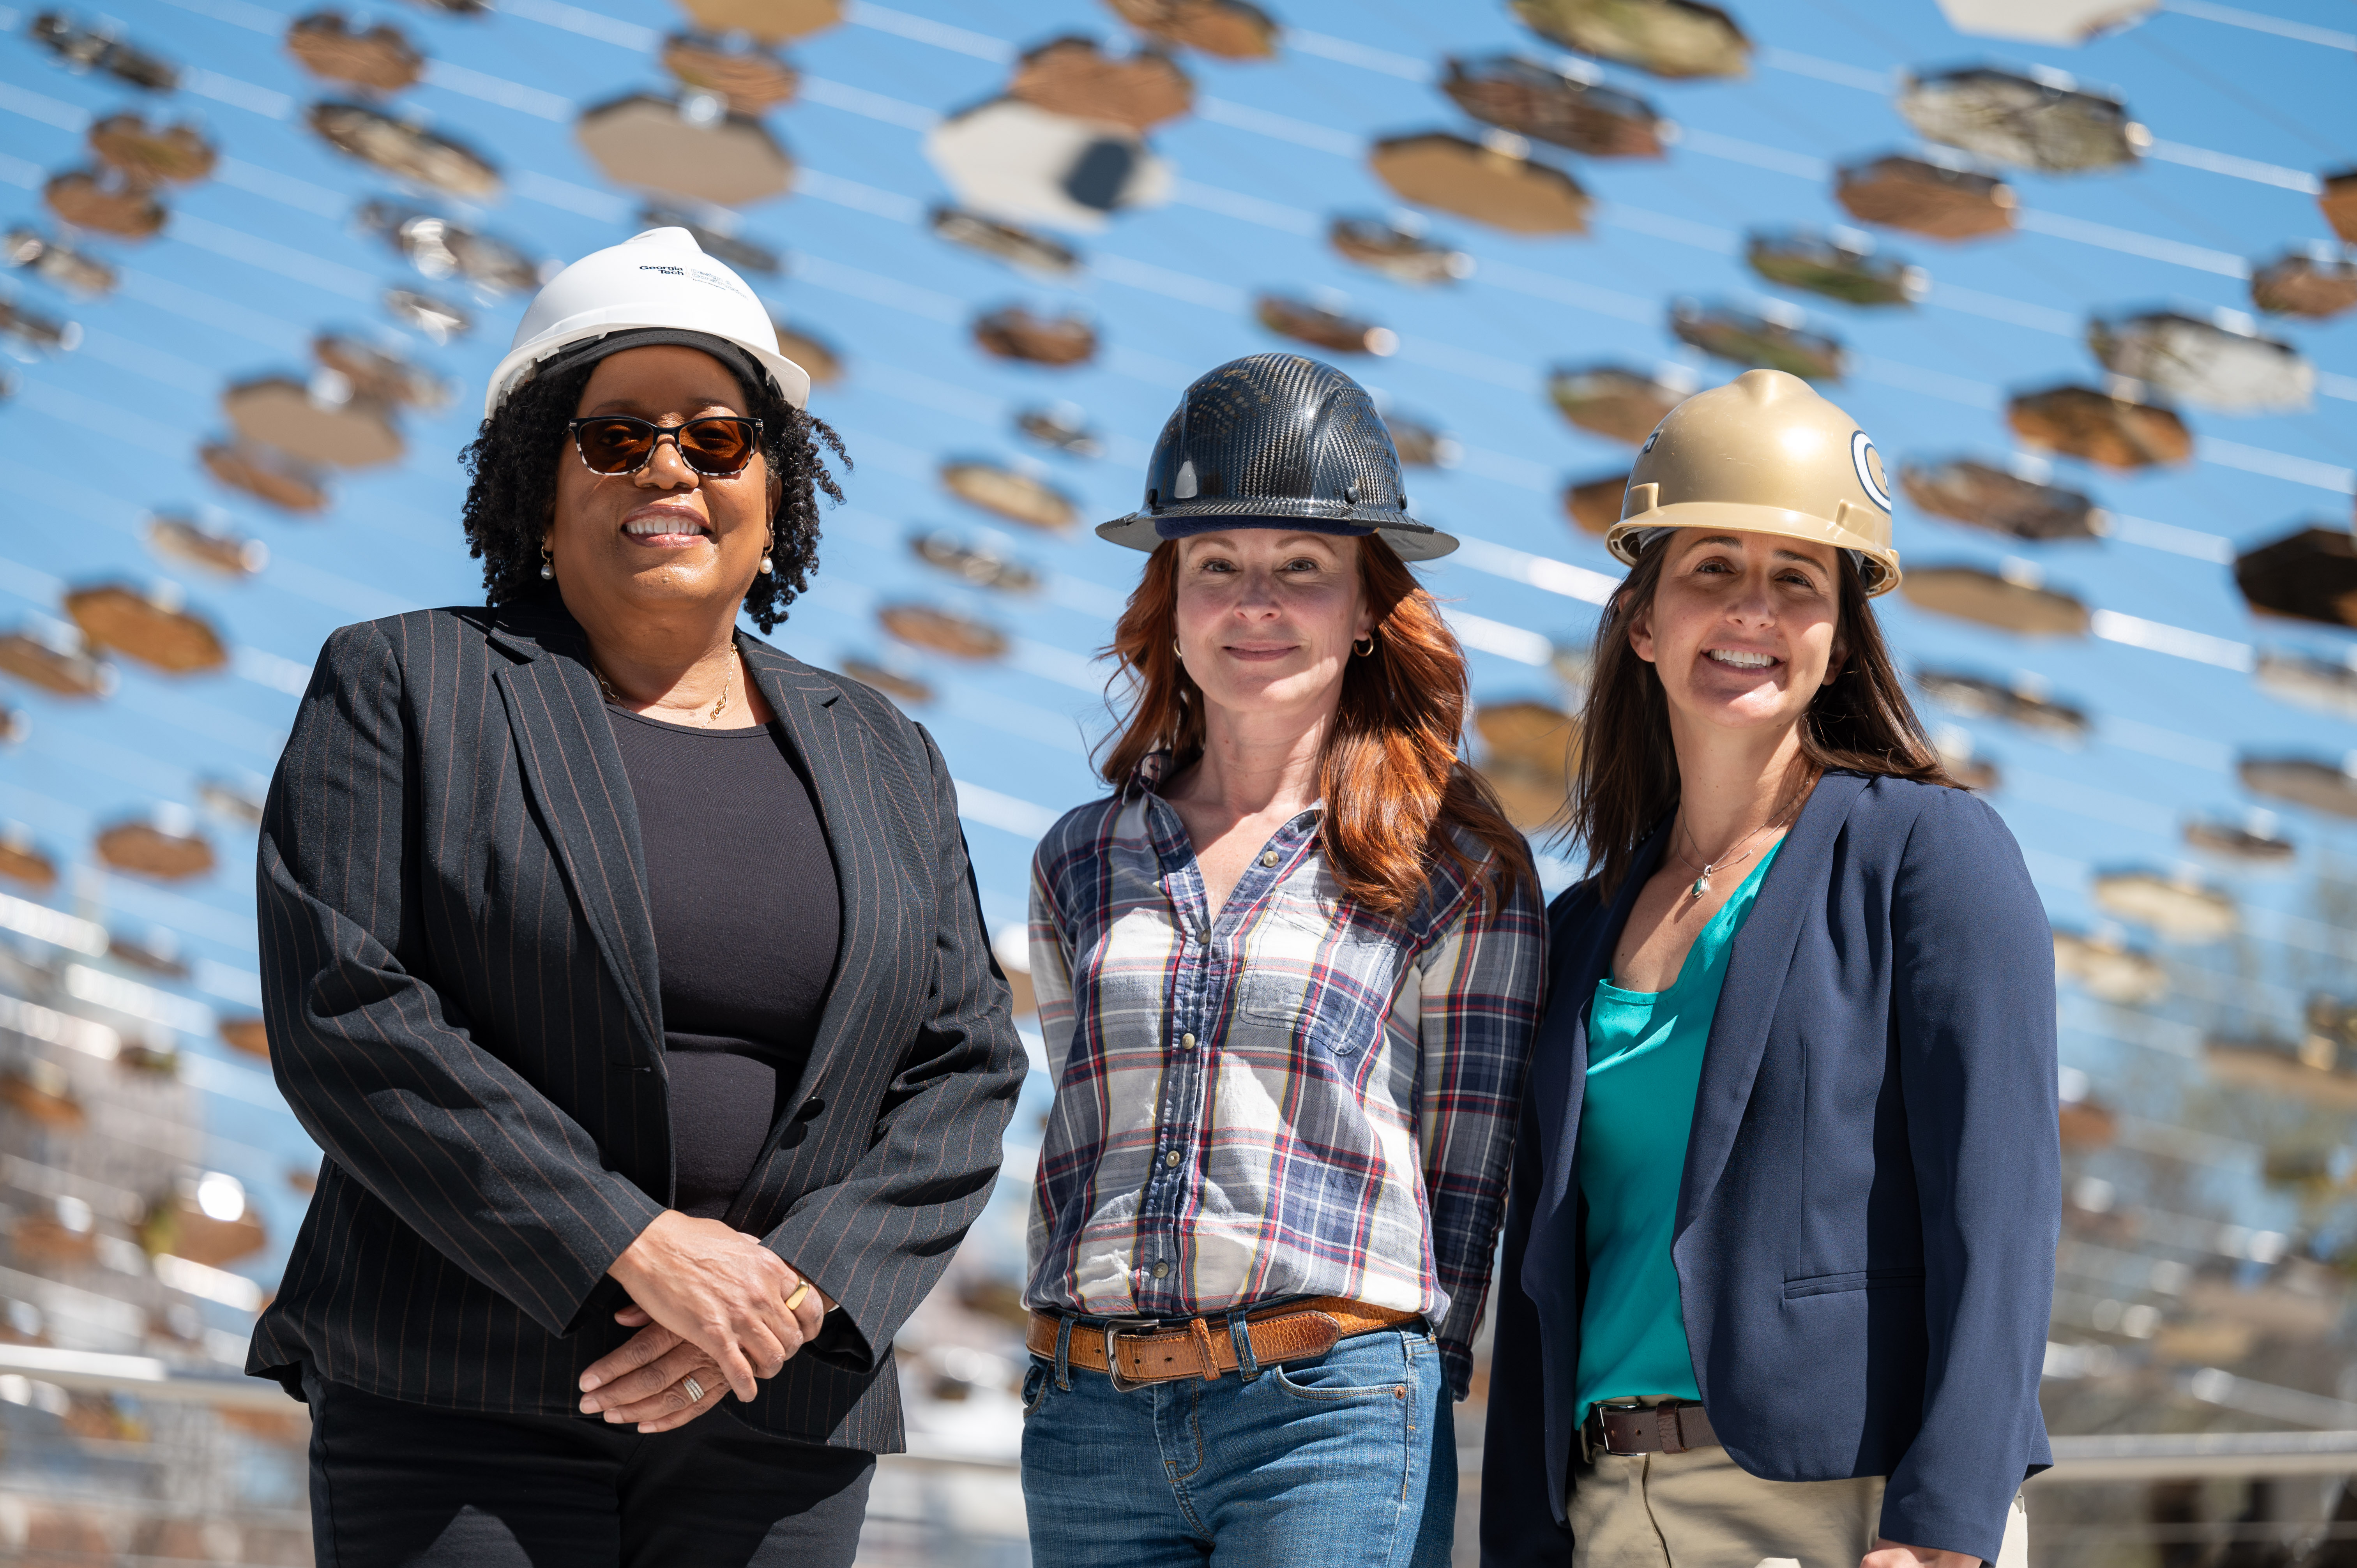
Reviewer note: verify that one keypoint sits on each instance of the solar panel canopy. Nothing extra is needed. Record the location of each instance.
(2079, 269)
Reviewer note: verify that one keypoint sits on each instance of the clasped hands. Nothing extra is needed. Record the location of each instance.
(709, 1302)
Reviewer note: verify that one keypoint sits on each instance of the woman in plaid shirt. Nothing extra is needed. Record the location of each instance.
(1288, 974)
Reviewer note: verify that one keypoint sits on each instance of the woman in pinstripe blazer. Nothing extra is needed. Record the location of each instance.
(480, 947)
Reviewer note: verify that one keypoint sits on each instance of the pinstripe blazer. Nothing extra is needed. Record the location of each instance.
(458, 975)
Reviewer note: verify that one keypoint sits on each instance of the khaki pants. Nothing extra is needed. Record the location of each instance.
(1700, 1509)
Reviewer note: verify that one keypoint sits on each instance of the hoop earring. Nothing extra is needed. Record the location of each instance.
(547, 564)
(1178, 651)
(1362, 652)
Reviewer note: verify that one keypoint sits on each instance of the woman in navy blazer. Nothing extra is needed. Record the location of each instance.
(1858, 1240)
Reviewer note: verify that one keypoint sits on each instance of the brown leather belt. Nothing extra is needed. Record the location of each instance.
(1625, 1429)
(1203, 1347)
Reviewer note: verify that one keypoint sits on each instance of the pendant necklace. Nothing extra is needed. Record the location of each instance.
(1702, 884)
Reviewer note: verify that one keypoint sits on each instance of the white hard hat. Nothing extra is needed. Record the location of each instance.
(658, 281)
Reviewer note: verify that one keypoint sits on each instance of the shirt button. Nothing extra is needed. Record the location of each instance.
(1160, 1270)
(1186, 1042)
(1270, 857)
(1171, 1158)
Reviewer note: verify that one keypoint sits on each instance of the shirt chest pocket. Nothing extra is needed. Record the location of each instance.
(1314, 989)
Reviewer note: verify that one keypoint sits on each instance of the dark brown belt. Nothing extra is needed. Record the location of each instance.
(1624, 1429)
(1203, 1347)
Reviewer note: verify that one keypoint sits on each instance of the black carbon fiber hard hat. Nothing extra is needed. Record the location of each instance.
(1276, 441)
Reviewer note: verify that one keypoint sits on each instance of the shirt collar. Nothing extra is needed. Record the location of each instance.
(1163, 819)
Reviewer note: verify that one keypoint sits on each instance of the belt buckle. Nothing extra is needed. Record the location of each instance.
(1113, 1362)
(1604, 1428)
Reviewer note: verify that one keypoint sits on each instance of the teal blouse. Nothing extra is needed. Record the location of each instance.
(1645, 1065)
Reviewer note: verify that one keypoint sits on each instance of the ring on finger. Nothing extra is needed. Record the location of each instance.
(695, 1390)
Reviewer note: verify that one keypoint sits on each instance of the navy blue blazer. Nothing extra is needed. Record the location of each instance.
(1872, 1194)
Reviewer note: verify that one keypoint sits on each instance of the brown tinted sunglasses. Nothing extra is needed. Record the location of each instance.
(718, 447)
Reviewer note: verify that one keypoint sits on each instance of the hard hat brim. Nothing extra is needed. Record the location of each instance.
(1877, 562)
(790, 380)
(1409, 540)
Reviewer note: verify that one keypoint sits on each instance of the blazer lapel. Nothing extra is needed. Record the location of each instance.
(1559, 1072)
(573, 769)
(1762, 956)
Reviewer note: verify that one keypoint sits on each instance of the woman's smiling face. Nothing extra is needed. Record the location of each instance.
(1744, 628)
(665, 534)
(1266, 617)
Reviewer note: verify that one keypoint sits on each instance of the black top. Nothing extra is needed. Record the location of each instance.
(742, 891)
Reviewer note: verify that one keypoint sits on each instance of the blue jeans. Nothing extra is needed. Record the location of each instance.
(1350, 1459)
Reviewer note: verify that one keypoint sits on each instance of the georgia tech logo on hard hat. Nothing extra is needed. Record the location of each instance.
(1868, 464)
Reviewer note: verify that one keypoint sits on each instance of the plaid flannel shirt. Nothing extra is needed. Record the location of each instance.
(1304, 1098)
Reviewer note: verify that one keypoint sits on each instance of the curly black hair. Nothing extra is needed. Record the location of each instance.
(511, 494)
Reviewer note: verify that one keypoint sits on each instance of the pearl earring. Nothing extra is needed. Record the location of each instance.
(769, 567)
(547, 566)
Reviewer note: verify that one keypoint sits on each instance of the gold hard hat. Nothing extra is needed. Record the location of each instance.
(1764, 454)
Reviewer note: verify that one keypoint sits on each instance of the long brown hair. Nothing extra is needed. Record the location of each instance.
(1626, 779)
(1390, 775)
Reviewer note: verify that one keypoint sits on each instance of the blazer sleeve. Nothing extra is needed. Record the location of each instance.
(1973, 1014)
(456, 1144)
(1518, 1527)
(877, 1240)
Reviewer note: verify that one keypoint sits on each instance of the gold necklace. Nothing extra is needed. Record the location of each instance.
(727, 686)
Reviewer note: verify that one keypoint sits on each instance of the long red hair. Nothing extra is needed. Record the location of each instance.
(1390, 775)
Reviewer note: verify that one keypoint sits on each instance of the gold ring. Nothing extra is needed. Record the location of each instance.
(695, 1390)
(795, 1300)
